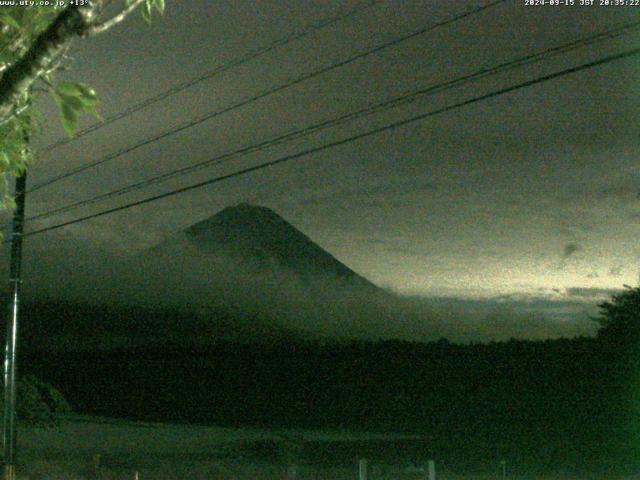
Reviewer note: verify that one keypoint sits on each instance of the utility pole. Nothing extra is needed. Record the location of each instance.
(15, 281)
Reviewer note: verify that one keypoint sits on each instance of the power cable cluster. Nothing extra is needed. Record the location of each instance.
(391, 126)
(246, 58)
(329, 123)
(266, 93)
(373, 109)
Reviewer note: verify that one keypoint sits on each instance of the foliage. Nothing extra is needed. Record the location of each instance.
(38, 402)
(20, 27)
(21, 30)
(74, 99)
(148, 6)
(619, 345)
(620, 319)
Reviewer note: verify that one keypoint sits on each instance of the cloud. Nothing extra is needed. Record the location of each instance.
(497, 319)
(591, 293)
(283, 300)
(615, 271)
(387, 190)
(624, 187)
(569, 250)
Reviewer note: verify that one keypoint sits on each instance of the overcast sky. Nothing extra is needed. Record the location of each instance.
(533, 195)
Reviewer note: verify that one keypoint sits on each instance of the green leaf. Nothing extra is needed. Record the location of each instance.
(74, 98)
(19, 13)
(86, 90)
(87, 95)
(69, 118)
(42, 19)
(146, 10)
(9, 20)
(6, 57)
(8, 202)
(93, 111)
(160, 6)
(12, 139)
(73, 102)
(4, 162)
(72, 89)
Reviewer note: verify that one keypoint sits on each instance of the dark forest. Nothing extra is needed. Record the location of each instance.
(538, 405)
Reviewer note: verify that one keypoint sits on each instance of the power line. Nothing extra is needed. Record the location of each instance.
(375, 131)
(247, 57)
(279, 88)
(377, 108)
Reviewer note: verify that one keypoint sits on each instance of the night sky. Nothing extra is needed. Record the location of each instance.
(529, 201)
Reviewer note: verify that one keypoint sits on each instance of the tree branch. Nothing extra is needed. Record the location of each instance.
(16, 112)
(73, 21)
(104, 26)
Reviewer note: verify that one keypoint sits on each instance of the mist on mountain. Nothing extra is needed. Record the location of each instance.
(247, 272)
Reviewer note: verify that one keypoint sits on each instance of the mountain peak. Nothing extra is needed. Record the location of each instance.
(257, 236)
(250, 261)
(240, 214)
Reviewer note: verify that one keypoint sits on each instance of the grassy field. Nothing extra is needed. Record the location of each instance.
(82, 447)
(92, 448)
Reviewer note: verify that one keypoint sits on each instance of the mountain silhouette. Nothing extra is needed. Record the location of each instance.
(250, 263)
(254, 240)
